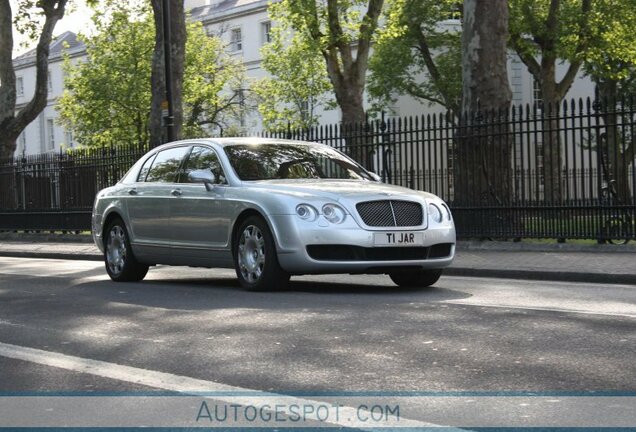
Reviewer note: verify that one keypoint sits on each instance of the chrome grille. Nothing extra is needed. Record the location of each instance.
(390, 213)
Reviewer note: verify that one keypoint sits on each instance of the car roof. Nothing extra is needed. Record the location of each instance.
(230, 141)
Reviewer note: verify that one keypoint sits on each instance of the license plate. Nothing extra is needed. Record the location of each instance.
(404, 238)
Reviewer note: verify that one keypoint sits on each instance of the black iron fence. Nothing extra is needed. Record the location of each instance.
(556, 172)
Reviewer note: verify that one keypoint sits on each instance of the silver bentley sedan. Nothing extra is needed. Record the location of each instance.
(269, 209)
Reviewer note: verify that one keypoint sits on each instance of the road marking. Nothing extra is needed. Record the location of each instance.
(536, 308)
(348, 416)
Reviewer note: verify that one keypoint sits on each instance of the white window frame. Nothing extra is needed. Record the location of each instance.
(21, 143)
(19, 86)
(68, 136)
(536, 94)
(266, 32)
(236, 44)
(50, 134)
(50, 81)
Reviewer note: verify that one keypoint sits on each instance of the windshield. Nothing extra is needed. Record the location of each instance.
(292, 161)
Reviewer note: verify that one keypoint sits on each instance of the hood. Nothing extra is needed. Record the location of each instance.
(337, 189)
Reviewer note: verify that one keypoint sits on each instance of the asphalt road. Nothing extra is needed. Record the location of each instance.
(64, 326)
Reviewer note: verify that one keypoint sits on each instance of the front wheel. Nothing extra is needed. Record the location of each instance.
(415, 278)
(255, 258)
(121, 264)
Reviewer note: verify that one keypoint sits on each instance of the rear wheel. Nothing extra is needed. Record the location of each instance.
(121, 264)
(617, 231)
(255, 258)
(415, 278)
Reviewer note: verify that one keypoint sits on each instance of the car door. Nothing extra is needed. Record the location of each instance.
(200, 216)
(148, 205)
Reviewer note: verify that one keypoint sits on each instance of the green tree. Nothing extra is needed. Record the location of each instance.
(611, 63)
(418, 54)
(298, 82)
(544, 32)
(341, 32)
(38, 19)
(483, 160)
(214, 85)
(107, 98)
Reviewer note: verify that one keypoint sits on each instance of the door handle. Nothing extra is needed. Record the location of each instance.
(132, 191)
(176, 192)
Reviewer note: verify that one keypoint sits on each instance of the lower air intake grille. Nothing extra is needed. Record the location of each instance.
(357, 253)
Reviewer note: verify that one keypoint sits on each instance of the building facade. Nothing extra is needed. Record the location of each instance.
(45, 134)
(244, 25)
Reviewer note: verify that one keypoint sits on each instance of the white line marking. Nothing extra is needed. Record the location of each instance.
(535, 308)
(348, 416)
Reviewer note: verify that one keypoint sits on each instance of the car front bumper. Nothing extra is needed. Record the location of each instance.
(320, 247)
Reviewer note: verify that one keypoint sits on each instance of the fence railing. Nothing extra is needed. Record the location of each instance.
(558, 172)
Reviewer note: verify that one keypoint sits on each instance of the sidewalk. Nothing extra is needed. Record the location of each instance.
(555, 262)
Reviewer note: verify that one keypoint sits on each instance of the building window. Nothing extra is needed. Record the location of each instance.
(19, 86)
(537, 97)
(69, 138)
(304, 109)
(236, 41)
(50, 82)
(50, 131)
(240, 94)
(21, 143)
(266, 32)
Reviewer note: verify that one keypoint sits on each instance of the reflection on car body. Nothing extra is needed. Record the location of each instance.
(270, 209)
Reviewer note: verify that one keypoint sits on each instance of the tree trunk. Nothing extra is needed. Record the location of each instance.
(12, 124)
(551, 141)
(553, 91)
(616, 149)
(483, 173)
(158, 74)
(347, 72)
(349, 98)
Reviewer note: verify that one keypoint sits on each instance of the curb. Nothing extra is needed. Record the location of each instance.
(555, 276)
(496, 246)
(552, 276)
(52, 255)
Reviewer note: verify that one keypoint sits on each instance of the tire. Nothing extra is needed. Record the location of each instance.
(121, 264)
(255, 258)
(616, 231)
(415, 278)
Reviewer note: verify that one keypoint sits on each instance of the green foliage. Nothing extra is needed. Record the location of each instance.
(299, 80)
(213, 83)
(612, 51)
(318, 45)
(107, 96)
(417, 53)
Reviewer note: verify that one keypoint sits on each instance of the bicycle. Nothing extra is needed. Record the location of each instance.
(617, 228)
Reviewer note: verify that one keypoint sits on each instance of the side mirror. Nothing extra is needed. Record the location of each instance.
(202, 176)
(375, 177)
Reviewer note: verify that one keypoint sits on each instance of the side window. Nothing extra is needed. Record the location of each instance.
(203, 158)
(143, 172)
(166, 165)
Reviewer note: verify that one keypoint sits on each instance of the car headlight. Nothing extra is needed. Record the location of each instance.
(333, 213)
(448, 213)
(306, 212)
(435, 213)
